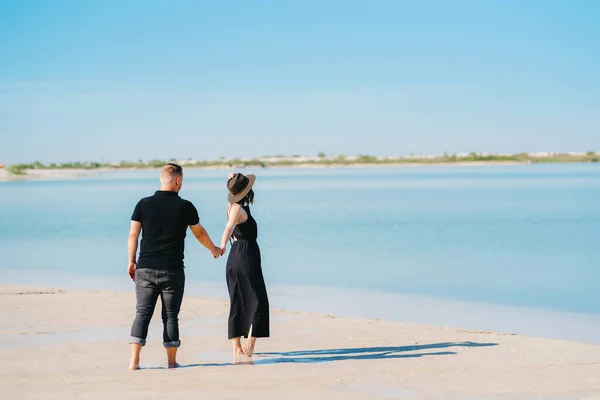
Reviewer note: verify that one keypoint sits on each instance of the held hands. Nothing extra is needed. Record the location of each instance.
(217, 252)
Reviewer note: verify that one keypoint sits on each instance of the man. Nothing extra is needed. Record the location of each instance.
(163, 219)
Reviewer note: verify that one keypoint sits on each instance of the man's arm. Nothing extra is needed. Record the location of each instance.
(132, 246)
(204, 239)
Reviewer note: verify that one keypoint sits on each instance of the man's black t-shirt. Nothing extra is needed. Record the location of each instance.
(165, 218)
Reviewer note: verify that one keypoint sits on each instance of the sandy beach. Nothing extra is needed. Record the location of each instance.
(48, 174)
(62, 344)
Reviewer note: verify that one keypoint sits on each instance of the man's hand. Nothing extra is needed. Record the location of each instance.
(132, 245)
(131, 270)
(216, 252)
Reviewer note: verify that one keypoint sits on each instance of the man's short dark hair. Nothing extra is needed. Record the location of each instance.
(172, 169)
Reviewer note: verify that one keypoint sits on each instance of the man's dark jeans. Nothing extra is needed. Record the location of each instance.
(149, 285)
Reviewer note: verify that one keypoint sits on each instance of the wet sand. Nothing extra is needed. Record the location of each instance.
(58, 344)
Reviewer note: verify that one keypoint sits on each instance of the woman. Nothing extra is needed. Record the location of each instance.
(249, 308)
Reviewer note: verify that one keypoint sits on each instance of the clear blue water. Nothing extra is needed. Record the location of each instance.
(509, 235)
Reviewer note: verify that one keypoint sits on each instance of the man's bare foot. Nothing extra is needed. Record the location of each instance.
(134, 365)
(172, 357)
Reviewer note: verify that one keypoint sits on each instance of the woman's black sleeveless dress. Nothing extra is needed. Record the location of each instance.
(247, 291)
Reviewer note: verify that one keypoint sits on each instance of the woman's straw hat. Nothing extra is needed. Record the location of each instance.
(239, 185)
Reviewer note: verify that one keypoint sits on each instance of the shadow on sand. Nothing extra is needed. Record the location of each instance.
(361, 353)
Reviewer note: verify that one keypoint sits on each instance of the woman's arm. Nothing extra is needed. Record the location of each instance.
(234, 214)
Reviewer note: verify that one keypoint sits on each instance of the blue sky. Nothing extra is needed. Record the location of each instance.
(112, 80)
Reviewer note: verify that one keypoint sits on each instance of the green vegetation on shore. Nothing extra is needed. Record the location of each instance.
(321, 160)
(20, 169)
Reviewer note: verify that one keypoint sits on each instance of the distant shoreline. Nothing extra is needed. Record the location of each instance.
(321, 160)
(43, 172)
(77, 173)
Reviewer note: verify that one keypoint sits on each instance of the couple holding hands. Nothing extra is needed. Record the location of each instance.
(158, 271)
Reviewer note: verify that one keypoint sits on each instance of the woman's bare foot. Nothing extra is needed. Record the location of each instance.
(174, 365)
(237, 353)
(237, 348)
(248, 347)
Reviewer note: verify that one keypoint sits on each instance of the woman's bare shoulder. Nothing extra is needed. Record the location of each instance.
(236, 209)
(233, 206)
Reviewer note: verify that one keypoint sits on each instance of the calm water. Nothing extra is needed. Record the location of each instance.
(512, 235)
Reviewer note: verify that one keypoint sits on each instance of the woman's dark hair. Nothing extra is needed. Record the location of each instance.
(249, 199)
